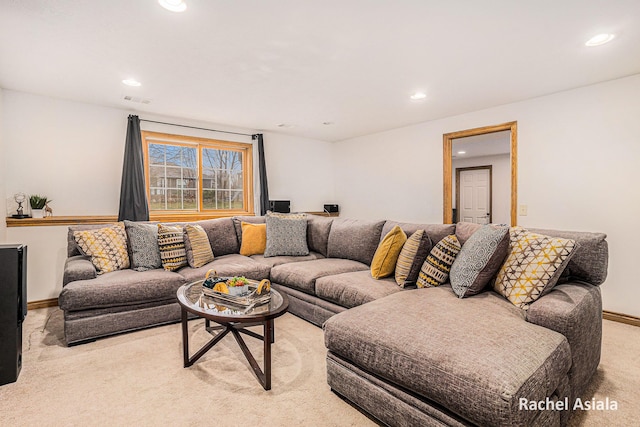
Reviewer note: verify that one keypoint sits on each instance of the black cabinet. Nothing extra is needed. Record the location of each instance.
(13, 309)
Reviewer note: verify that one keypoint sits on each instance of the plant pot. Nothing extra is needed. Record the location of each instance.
(37, 213)
(238, 290)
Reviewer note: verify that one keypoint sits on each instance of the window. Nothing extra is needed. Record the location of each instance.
(197, 176)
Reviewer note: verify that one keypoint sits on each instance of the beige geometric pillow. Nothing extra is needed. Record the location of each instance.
(533, 266)
(172, 250)
(197, 245)
(107, 247)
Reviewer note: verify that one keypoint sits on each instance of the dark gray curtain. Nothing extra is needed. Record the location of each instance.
(133, 193)
(264, 188)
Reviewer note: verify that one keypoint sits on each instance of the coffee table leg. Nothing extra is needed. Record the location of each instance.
(268, 339)
(185, 338)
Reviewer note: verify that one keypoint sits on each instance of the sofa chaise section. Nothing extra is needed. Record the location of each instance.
(427, 357)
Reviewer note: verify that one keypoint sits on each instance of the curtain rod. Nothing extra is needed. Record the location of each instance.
(193, 127)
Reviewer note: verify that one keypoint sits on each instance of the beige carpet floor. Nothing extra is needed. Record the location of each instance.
(138, 379)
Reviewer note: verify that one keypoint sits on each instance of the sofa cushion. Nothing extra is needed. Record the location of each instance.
(120, 288)
(318, 228)
(386, 256)
(591, 258)
(435, 269)
(286, 235)
(254, 239)
(285, 259)
(464, 230)
(303, 275)
(107, 247)
(479, 260)
(354, 239)
(228, 266)
(355, 288)
(478, 357)
(197, 246)
(533, 266)
(143, 245)
(436, 232)
(413, 254)
(222, 235)
(171, 243)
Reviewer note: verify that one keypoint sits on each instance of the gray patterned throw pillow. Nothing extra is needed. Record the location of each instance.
(143, 244)
(286, 235)
(479, 260)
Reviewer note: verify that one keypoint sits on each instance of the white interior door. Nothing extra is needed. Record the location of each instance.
(475, 195)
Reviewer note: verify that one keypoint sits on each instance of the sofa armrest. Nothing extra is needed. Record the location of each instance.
(78, 268)
(575, 310)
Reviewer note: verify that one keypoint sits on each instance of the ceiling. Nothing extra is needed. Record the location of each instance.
(487, 144)
(353, 64)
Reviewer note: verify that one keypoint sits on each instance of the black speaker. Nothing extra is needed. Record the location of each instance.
(13, 309)
(281, 206)
(331, 208)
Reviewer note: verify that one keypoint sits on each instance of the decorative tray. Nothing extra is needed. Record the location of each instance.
(249, 298)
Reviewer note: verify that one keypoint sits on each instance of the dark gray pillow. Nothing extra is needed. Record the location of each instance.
(318, 228)
(354, 239)
(479, 260)
(143, 245)
(286, 235)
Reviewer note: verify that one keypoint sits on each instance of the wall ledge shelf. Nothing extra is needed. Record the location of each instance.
(106, 219)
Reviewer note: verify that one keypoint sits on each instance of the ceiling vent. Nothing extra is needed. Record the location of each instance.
(137, 99)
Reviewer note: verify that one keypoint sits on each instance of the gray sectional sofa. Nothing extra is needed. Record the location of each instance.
(403, 356)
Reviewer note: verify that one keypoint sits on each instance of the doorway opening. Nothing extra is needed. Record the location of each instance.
(474, 143)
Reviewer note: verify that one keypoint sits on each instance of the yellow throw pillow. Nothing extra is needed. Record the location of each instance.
(386, 256)
(107, 247)
(197, 245)
(254, 239)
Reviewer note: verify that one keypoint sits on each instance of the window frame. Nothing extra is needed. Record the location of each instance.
(246, 150)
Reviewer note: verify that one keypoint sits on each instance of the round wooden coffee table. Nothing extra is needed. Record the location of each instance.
(232, 319)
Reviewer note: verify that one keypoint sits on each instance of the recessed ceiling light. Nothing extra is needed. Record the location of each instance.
(462, 152)
(600, 39)
(173, 5)
(418, 96)
(132, 82)
(327, 123)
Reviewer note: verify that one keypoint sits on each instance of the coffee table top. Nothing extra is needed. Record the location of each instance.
(190, 297)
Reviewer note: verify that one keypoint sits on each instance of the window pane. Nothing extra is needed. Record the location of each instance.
(222, 179)
(237, 201)
(190, 199)
(209, 199)
(222, 199)
(156, 154)
(236, 180)
(158, 199)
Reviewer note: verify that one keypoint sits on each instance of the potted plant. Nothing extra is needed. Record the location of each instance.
(238, 285)
(37, 205)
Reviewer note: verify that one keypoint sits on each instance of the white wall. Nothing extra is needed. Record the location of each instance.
(299, 170)
(72, 152)
(501, 183)
(3, 166)
(578, 156)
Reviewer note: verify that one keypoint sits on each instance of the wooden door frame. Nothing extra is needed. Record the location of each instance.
(458, 170)
(447, 144)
